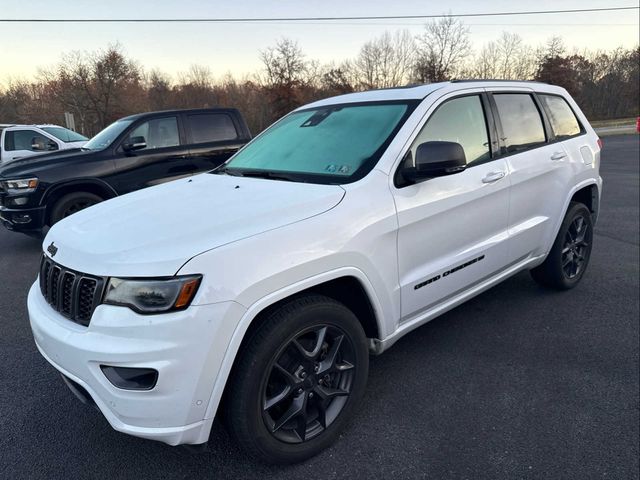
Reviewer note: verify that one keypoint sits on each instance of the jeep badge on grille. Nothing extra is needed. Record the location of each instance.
(52, 249)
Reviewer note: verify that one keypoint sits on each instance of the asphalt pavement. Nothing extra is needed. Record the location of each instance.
(520, 382)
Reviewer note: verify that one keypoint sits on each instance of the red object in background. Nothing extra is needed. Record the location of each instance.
(638, 124)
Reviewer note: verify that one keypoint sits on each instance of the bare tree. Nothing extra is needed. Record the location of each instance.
(284, 64)
(385, 61)
(442, 49)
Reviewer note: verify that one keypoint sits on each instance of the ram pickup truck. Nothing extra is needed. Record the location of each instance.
(132, 153)
(263, 286)
(22, 141)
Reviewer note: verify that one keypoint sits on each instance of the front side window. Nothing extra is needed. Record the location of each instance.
(157, 133)
(64, 134)
(459, 120)
(521, 122)
(211, 127)
(27, 140)
(562, 119)
(332, 144)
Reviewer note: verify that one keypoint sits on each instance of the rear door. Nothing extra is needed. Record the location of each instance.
(213, 137)
(539, 169)
(452, 229)
(165, 157)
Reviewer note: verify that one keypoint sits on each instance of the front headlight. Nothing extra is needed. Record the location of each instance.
(20, 185)
(153, 296)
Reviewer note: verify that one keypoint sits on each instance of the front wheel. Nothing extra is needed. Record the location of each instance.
(568, 259)
(71, 203)
(299, 379)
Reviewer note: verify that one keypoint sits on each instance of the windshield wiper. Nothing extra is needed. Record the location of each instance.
(271, 175)
(226, 171)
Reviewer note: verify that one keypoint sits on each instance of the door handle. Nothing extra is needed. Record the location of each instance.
(558, 155)
(493, 177)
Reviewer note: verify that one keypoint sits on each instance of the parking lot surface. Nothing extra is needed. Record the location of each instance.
(520, 382)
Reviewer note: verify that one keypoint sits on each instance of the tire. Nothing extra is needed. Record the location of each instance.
(71, 203)
(569, 257)
(261, 395)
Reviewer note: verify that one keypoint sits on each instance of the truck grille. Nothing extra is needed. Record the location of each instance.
(73, 294)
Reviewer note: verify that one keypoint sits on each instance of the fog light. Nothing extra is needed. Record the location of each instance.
(19, 201)
(21, 219)
(131, 378)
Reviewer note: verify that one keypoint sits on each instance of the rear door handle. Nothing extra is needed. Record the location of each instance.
(493, 177)
(558, 155)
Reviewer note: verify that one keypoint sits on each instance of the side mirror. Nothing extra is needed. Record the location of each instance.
(134, 143)
(436, 159)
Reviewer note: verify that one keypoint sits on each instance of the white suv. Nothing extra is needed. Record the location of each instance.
(264, 285)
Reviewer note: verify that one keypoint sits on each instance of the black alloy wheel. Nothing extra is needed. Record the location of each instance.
(298, 379)
(307, 383)
(568, 259)
(576, 247)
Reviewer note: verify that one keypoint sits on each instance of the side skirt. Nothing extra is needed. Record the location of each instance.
(376, 346)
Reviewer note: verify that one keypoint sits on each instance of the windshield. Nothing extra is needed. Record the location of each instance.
(332, 144)
(65, 134)
(106, 137)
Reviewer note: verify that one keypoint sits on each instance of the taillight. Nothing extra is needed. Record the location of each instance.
(600, 144)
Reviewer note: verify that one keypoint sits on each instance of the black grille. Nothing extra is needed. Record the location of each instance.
(73, 294)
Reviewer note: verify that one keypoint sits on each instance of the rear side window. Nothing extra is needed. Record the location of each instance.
(521, 122)
(211, 127)
(563, 120)
(459, 120)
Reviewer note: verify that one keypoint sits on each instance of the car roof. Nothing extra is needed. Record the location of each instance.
(26, 125)
(419, 92)
(178, 111)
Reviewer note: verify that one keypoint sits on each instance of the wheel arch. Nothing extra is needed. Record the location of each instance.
(588, 190)
(55, 192)
(361, 299)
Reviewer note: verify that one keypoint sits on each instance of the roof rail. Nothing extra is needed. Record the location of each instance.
(465, 80)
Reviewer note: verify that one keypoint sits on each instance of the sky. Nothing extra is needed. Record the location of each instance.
(234, 47)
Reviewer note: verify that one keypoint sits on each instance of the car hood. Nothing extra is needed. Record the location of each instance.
(153, 232)
(34, 163)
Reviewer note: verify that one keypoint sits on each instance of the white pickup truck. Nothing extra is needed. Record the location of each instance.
(262, 287)
(19, 141)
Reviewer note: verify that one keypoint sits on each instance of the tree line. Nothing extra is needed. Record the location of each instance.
(99, 87)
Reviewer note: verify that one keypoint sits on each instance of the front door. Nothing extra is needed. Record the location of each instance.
(165, 156)
(453, 229)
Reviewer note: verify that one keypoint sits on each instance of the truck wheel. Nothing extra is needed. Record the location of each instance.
(568, 259)
(71, 203)
(299, 379)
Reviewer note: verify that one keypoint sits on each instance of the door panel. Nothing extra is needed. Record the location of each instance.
(539, 170)
(452, 230)
(164, 158)
(445, 223)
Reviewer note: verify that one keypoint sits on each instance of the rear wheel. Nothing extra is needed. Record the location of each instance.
(71, 203)
(298, 381)
(568, 259)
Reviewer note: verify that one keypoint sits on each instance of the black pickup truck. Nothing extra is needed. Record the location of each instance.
(132, 153)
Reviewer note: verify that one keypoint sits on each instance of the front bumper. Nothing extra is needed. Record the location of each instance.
(186, 348)
(23, 219)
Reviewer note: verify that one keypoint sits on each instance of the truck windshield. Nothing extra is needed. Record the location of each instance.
(331, 144)
(106, 137)
(65, 135)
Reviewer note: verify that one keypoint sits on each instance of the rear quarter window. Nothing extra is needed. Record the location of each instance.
(211, 127)
(563, 121)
